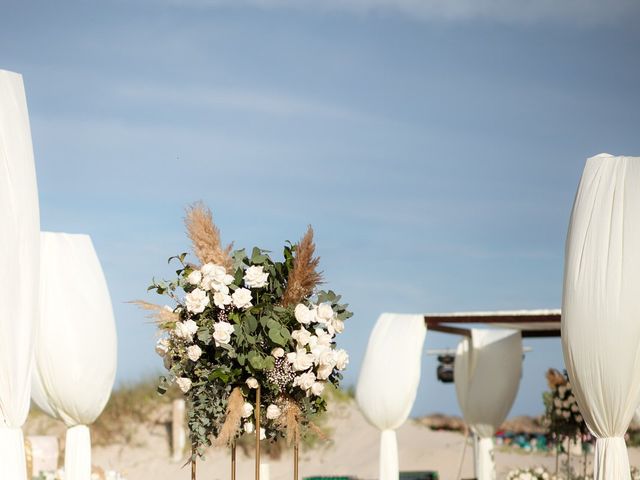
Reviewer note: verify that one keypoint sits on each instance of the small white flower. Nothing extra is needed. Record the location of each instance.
(342, 359)
(186, 330)
(255, 277)
(221, 299)
(273, 412)
(247, 410)
(194, 352)
(301, 336)
(574, 408)
(277, 352)
(303, 314)
(305, 381)
(242, 298)
(301, 360)
(566, 414)
(184, 384)
(263, 433)
(324, 313)
(249, 427)
(578, 418)
(562, 390)
(162, 347)
(196, 301)
(252, 382)
(195, 277)
(557, 402)
(317, 388)
(222, 333)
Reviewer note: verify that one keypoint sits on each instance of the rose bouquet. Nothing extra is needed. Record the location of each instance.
(537, 473)
(245, 326)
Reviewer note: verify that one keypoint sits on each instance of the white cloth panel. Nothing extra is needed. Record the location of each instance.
(74, 372)
(389, 379)
(601, 305)
(487, 372)
(19, 253)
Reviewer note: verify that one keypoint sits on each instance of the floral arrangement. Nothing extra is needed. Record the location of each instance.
(541, 473)
(562, 415)
(242, 326)
(537, 473)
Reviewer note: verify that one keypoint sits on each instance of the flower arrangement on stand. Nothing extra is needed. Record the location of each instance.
(562, 417)
(249, 340)
(536, 473)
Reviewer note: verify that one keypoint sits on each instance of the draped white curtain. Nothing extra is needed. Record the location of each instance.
(19, 252)
(389, 379)
(76, 344)
(487, 372)
(601, 305)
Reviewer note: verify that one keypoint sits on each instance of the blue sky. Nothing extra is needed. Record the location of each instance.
(434, 146)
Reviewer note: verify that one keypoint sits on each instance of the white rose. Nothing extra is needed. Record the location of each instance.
(557, 402)
(277, 352)
(324, 313)
(222, 333)
(263, 433)
(326, 357)
(162, 347)
(247, 410)
(578, 418)
(342, 359)
(273, 412)
(252, 382)
(301, 336)
(194, 352)
(221, 299)
(324, 338)
(196, 301)
(317, 388)
(220, 287)
(324, 371)
(215, 272)
(255, 277)
(242, 298)
(338, 325)
(195, 277)
(228, 279)
(301, 360)
(561, 391)
(305, 381)
(574, 408)
(303, 314)
(186, 330)
(184, 384)
(249, 427)
(566, 414)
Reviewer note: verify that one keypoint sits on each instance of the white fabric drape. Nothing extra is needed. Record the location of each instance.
(389, 379)
(487, 372)
(601, 305)
(76, 344)
(19, 252)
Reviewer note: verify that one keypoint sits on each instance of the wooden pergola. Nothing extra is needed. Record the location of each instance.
(531, 323)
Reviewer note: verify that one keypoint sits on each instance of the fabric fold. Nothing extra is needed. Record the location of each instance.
(19, 264)
(601, 306)
(389, 379)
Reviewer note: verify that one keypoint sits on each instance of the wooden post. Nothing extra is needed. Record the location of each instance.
(257, 416)
(233, 460)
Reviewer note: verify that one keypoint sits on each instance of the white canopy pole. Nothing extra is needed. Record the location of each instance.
(389, 379)
(601, 305)
(75, 370)
(19, 252)
(487, 372)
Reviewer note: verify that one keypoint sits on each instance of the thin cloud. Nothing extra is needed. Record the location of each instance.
(270, 103)
(505, 11)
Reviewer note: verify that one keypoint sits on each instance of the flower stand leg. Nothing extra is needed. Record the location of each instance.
(257, 413)
(233, 461)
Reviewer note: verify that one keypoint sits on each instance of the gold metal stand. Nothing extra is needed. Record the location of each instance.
(296, 452)
(193, 463)
(257, 416)
(233, 460)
